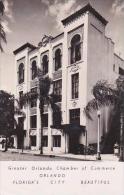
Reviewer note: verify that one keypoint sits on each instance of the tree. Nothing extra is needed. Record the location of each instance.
(2, 32)
(108, 95)
(7, 112)
(45, 98)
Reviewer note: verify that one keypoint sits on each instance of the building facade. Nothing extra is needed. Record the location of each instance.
(75, 60)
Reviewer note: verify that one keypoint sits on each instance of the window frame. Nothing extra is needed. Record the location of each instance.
(33, 124)
(58, 59)
(75, 49)
(33, 102)
(121, 71)
(45, 120)
(57, 141)
(75, 86)
(57, 118)
(57, 89)
(34, 141)
(33, 70)
(74, 116)
(21, 73)
(45, 141)
(45, 64)
(20, 96)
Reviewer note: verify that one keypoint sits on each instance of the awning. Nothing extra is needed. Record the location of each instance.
(70, 128)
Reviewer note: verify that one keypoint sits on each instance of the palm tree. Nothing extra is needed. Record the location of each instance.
(7, 112)
(108, 95)
(45, 98)
(2, 32)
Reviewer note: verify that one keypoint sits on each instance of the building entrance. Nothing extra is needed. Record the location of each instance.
(73, 143)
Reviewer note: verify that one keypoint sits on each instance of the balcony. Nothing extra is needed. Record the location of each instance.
(33, 83)
(57, 74)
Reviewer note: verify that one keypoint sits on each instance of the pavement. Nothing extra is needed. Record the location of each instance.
(104, 157)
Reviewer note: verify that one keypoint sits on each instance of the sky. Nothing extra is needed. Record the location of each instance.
(28, 20)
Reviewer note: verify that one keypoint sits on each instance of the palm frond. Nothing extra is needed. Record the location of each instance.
(102, 89)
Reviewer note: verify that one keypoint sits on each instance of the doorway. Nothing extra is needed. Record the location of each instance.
(73, 143)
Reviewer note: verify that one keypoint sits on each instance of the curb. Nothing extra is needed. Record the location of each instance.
(48, 155)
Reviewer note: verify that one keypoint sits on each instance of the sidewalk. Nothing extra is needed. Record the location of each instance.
(104, 157)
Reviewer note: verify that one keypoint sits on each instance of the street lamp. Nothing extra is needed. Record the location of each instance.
(98, 136)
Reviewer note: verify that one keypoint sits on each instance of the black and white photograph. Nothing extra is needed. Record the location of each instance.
(61, 97)
(62, 80)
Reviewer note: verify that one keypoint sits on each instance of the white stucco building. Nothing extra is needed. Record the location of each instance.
(75, 60)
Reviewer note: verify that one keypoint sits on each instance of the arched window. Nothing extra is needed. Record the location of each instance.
(58, 61)
(45, 64)
(21, 73)
(75, 49)
(34, 69)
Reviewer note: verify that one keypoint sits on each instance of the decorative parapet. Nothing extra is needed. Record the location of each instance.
(45, 40)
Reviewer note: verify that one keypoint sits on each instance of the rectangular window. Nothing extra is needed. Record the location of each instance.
(45, 120)
(75, 116)
(121, 71)
(33, 102)
(57, 118)
(45, 141)
(57, 90)
(33, 140)
(75, 85)
(20, 99)
(21, 122)
(33, 122)
(56, 140)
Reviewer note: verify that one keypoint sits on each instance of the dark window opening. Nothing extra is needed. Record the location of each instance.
(75, 85)
(114, 67)
(21, 73)
(45, 120)
(75, 116)
(33, 101)
(121, 71)
(75, 49)
(58, 62)
(34, 69)
(21, 123)
(56, 140)
(45, 141)
(57, 118)
(33, 122)
(20, 99)
(57, 90)
(33, 140)
(45, 64)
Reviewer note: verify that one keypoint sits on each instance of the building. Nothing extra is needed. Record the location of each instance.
(75, 60)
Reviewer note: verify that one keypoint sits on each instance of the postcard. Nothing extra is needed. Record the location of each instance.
(61, 97)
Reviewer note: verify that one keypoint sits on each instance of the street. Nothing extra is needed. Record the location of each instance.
(8, 156)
